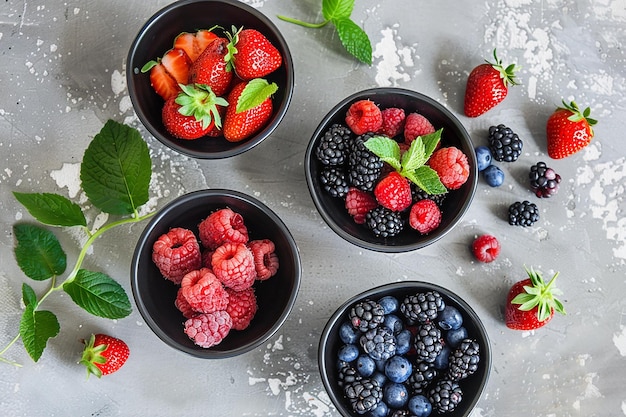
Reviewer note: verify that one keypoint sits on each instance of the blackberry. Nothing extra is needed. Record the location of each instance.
(334, 181)
(422, 307)
(543, 180)
(364, 167)
(379, 343)
(366, 315)
(463, 361)
(347, 374)
(423, 374)
(445, 396)
(364, 395)
(428, 342)
(418, 194)
(523, 213)
(334, 145)
(384, 222)
(504, 144)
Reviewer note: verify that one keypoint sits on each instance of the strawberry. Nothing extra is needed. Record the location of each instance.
(531, 303)
(487, 86)
(192, 113)
(250, 107)
(104, 354)
(210, 68)
(251, 54)
(194, 43)
(168, 72)
(569, 130)
(393, 192)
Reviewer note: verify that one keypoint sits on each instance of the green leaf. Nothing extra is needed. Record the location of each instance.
(386, 149)
(431, 141)
(36, 327)
(98, 294)
(28, 295)
(354, 39)
(415, 156)
(255, 93)
(52, 209)
(427, 179)
(38, 252)
(337, 9)
(116, 169)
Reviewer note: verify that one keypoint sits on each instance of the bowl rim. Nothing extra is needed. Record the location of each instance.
(374, 292)
(142, 242)
(243, 146)
(371, 93)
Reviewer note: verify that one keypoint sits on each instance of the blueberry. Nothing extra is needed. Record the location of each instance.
(403, 342)
(441, 361)
(494, 176)
(389, 304)
(381, 410)
(450, 318)
(398, 369)
(454, 337)
(348, 334)
(395, 395)
(419, 406)
(483, 157)
(348, 353)
(365, 365)
(393, 323)
(380, 377)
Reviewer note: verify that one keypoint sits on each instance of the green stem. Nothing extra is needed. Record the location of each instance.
(15, 339)
(301, 23)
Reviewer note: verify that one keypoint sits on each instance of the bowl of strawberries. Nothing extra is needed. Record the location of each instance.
(210, 79)
(391, 170)
(215, 273)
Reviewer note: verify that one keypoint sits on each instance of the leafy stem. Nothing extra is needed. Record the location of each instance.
(302, 23)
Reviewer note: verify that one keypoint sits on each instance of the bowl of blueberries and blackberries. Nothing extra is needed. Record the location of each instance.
(391, 170)
(215, 273)
(210, 78)
(407, 348)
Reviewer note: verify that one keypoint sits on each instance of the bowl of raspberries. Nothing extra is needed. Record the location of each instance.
(391, 170)
(407, 348)
(215, 273)
(210, 79)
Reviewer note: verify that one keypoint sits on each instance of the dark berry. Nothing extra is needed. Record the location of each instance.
(483, 157)
(423, 374)
(420, 406)
(334, 181)
(450, 318)
(334, 145)
(422, 307)
(463, 360)
(347, 374)
(523, 213)
(384, 222)
(455, 337)
(393, 323)
(365, 365)
(404, 340)
(418, 194)
(364, 167)
(348, 334)
(364, 395)
(428, 342)
(366, 315)
(379, 343)
(445, 396)
(441, 361)
(398, 368)
(395, 395)
(389, 304)
(348, 353)
(544, 181)
(493, 175)
(504, 144)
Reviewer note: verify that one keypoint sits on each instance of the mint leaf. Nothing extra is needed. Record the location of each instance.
(427, 179)
(431, 141)
(255, 93)
(354, 39)
(386, 149)
(38, 252)
(52, 209)
(415, 156)
(116, 169)
(98, 294)
(36, 327)
(336, 9)
(28, 295)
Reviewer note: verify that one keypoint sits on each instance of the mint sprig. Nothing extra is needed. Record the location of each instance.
(412, 163)
(115, 176)
(353, 38)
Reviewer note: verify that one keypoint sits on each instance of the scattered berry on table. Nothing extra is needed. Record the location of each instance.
(208, 329)
(393, 192)
(428, 342)
(176, 253)
(203, 291)
(379, 343)
(364, 167)
(483, 157)
(334, 145)
(416, 125)
(451, 165)
(504, 144)
(104, 354)
(222, 226)
(450, 318)
(334, 181)
(423, 307)
(266, 261)
(445, 396)
(233, 265)
(493, 175)
(523, 213)
(486, 248)
(569, 129)
(366, 315)
(364, 116)
(425, 216)
(544, 181)
(364, 395)
(358, 203)
(393, 122)
(242, 307)
(398, 368)
(463, 361)
(395, 394)
(419, 406)
(384, 222)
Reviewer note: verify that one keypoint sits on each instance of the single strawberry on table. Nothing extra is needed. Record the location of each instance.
(251, 54)
(250, 108)
(168, 72)
(210, 68)
(104, 354)
(487, 85)
(569, 129)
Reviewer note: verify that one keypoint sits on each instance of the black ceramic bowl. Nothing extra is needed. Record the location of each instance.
(330, 343)
(157, 36)
(456, 203)
(154, 295)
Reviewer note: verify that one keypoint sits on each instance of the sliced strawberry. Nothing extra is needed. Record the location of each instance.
(250, 107)
(252, 55)
(210, 67)
(194, 43)
(167, 72)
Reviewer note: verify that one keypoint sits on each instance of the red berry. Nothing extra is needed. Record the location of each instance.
(364, 116)
(451, 165)
(208, 329)
(104, 354)
(393, 192)
(254, 55)
(425, 216)
(416, 125)
(222, 226)
(176, 253)
(183, 305)
(393, 122)
(486, 248)
(265, 259)
(358, 203)
(242, 307)
(233, 265)
(241, 123)
(203, 291)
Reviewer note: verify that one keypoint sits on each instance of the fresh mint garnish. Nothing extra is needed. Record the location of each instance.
(412, 163)
(352, 37)
(115, 176)
(255, 93)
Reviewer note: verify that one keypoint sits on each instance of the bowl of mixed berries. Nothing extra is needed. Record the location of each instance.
(391, 170)
(210, 78)
(407, 348)
(215, 273)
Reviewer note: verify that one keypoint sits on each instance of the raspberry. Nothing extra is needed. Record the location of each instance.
(208, 329)
(393, 192)
(222, 226)
(176, 253)
(241, 307)
(358, 203)
(203, 291)
(393, 122)
(486, 248)
(451, 165)
(207, 255)
(233, 265)
(183, 305)
(416, 125)
(364, 116)
(265, 259)
(425, 216)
